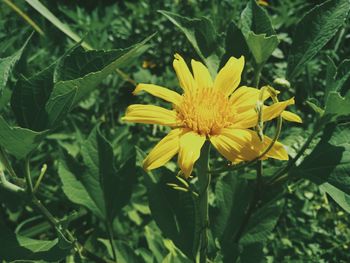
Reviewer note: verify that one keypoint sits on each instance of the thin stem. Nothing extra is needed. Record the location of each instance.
(24, 16)
(251, 208)
(204, 181)
(28, 177)
(259, 167)
(40, 178)
(8, 185)
(339, 39)
(111, 240)
(44, 211)
(257, 74)
(5, 161)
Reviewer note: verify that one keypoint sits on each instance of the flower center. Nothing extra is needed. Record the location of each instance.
(205, 111)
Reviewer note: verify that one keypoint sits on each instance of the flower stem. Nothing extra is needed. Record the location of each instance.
(204, 181)
(111, 240)
(257, 74)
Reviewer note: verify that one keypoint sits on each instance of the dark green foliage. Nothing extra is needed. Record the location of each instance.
(61, 106)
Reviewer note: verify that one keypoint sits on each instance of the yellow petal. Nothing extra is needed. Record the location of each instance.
(184, 75)
(189, 152)
(201, 75)
(290, 116)
(229, 76)
(277, 151)
(249, 118)
(245, 98)
(243, 144)
(160, 92)
(150, 114)
(234, 144)
(163, 151)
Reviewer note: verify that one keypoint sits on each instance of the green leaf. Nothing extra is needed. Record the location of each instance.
(75, 190)
(262, 222)
(56, 22)
(7, 64)
(337, 106)
(261, 46)
(79, 72)
(342, 76)
(124, 252)
(16, 247)
(233, 197)
(255, 18)
(258, 31)
(100, 187)
(329, 162)
(202, 36)
(341, 198)
(29, 98)
(240, 48)
(19, 141)
(313, 32)
(175, 212)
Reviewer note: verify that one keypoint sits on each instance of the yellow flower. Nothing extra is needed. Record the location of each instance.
(214, 110)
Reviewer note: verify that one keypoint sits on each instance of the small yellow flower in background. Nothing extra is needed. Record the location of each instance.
(214, 110)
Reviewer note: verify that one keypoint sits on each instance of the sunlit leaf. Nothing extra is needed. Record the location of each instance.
(313, 32)
(19, 141)
(202, 36)
(17, 247)
(100, 186)
(175, 212)
(329, 162)
(7, 64)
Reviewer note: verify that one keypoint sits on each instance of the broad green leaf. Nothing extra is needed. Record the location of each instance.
(262, 222)
(235, 43)
(79, 72)
(255, 18)
(100, 187)
(233, 195)
(329, 162)
(16, 247)
(29, 98)
(261, 46)
(38, 6)
(124, 252)
(342, 76)
(175, 212)
(331, 72)
(75, 190)
(337, 106)
(313, 32)
(202, 36)
(19, 141)
(338, 196)
(155, 243)
(7, 64)
(258, 31)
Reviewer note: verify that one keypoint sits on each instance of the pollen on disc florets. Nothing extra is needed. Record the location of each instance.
(205, 111)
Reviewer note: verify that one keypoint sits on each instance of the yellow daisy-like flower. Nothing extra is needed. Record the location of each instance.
(214, 110)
